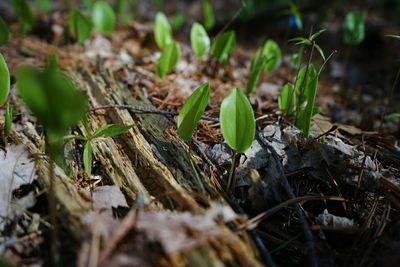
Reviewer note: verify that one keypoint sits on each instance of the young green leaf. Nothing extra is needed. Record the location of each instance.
(208, 14)
(52, 97)
(353, 27)
(79, 25)
(162, 31)
(315, 35)
(256, 67)
(200, 40)
(111, 130)
(306, 88)
(4, 32)
(24, 15)
(286, 99)
(4, 81)
(223, 45)
(192, 111)
(168, 59)
(272, 55)
(320, 51)
(87, 158)
(177, 21)
(8, 120)
(392, 116)
(44, 5)
(237, 121)
(103, 17)
(397, 37)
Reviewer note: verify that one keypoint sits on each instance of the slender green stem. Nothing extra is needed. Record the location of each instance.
(231, 177)
(303, 83)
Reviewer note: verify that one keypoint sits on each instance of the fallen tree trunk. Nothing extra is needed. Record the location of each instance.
(150, 162)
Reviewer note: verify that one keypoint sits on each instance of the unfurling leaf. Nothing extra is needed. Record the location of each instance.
(209, 20)
(162, 31)
(237, 121)
(306, 88)
(168, 59)
(192, 111)
(24, 15)
(79, 25)
(353, 28)
(111, 130)
(286, 99)
(256, 67)
(223, 45)
(4, 81)
(103, 17)
(87, 158)
(199, 40)
(52, 97)
(272, 55)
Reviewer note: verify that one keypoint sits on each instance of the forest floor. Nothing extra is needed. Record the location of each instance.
(330, 200)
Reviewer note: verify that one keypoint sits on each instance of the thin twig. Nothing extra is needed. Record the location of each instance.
(264, 215)
(310, 244)
(143, 111)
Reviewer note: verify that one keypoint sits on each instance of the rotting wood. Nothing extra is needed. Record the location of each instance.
(150, 159)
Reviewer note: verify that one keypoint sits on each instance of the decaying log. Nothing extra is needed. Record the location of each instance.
(150, 159)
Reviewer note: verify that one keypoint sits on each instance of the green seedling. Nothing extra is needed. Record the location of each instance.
(4, 81)
(4, 32)
(24, 15)
(267, 58)
(286, 99)
(192, 111)
(43, 5)
(122, 11)
(168, 59)
(7, 121)
(256, 67)
(310, 41)
(354, 28)
(223, 45)
(188, 119)
(162, 31)
(108, 130)
(306, 91)
(57, 104)
(208, 14)
(52, 98)
(103, 17)
(79, 25)
(271, 55)
(199, 40)
(237, 126)
(177, 21)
